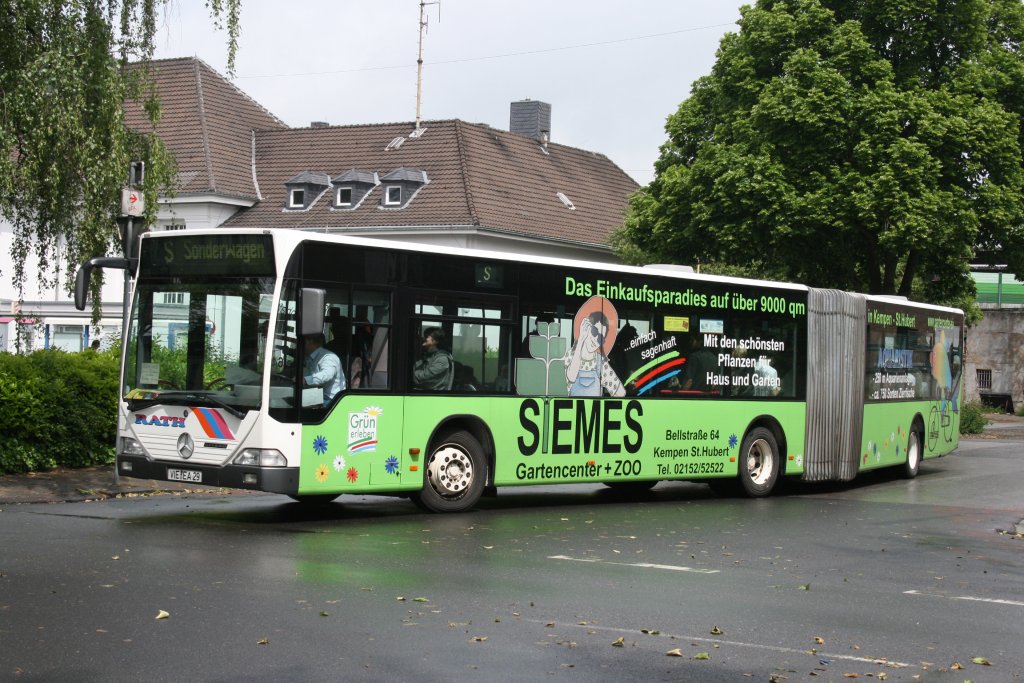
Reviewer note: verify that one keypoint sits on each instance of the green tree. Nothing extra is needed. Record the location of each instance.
(871, 145)
(66, 69)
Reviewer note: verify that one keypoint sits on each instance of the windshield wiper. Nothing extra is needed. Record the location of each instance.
(179, 397)
(211, 399)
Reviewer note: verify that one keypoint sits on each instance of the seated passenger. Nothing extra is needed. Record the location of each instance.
(434, 370)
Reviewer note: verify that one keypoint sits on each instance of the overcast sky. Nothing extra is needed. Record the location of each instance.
(612, 71)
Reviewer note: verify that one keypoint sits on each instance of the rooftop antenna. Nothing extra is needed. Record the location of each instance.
(419, 57)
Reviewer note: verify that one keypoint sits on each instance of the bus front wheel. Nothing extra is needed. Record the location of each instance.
(913, 463)
(456, 472)
(759, 462)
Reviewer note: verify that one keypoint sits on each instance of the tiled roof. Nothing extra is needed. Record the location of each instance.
(478, 176)
(207, 123)
(474, 176)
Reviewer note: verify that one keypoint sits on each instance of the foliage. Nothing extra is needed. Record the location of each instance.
(65, 75)
(174, 362)
(972, 418)
(865, 146)
(57, 409)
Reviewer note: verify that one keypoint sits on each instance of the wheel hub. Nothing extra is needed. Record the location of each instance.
(450, 471)
(759, 462)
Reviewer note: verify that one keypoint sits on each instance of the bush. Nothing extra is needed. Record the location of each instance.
(972, 418)
(57, 409)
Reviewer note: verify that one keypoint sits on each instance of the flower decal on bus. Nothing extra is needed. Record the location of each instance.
(320, 445)
(353, 475)
(321, 473)
(339, 463)
(391, 465)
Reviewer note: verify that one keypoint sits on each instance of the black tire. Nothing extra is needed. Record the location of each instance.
(455, 474)
(759, 462)
(913, 462)
(313, 499)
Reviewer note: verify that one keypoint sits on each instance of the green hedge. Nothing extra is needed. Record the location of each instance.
(57, 410)
(972, 418)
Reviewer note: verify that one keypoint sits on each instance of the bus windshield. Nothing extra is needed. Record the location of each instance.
(198, 340)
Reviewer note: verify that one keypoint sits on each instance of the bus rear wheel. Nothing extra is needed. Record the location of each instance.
(759, 462)
(913, 463)
(456, 472)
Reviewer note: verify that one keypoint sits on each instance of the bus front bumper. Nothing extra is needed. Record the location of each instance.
(271, 479)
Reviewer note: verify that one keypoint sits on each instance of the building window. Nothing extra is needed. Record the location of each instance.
(565, 200)
(393, 195)
(174, 297)
(343, 197)
(984, 380)
(297, 199)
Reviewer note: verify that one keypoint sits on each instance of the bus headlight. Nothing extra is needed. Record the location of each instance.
(261, 457)
(130, 446)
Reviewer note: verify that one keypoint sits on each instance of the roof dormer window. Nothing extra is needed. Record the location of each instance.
(304, 189)
(351, 188)
(401, 186)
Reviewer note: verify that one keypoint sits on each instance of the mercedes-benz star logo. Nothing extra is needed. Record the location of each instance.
(186, 446)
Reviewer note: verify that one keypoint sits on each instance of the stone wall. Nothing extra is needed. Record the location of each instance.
(996, 344)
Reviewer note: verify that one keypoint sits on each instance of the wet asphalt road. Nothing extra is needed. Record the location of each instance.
(887, 579)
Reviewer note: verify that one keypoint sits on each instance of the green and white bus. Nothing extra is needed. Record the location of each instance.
(561, 371)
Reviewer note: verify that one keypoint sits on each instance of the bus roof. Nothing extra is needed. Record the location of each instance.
(293, 238)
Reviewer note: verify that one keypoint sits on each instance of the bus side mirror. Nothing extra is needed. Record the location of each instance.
(313, 311)
(85, 272)
(82, 278)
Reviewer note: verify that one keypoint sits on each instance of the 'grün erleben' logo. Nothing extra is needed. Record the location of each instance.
(362, 430)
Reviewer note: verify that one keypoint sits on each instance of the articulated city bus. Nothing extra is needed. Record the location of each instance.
(552, 371)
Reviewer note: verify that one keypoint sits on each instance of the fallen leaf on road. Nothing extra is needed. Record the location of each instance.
(805, 586)
(982, 661)
(651, 631)
(675, 653)
(162, 614)
(479, 639)
(421, 599)
(264, 641)
(819, 640)
(702, 656)
(619, 642)
(715, 631)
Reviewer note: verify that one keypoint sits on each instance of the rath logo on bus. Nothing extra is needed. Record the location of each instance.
(362, 430)
(160, 420)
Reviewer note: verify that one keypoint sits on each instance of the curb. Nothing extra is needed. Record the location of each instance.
(89, 484)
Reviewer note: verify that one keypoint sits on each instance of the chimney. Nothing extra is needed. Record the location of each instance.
(531, 118)
(319, 124)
